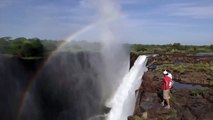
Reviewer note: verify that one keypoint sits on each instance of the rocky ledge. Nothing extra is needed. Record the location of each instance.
(186, 103)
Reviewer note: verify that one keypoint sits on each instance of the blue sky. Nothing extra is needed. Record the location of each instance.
(145, 21)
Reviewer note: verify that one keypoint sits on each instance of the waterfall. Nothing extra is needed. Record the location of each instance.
(123, 102)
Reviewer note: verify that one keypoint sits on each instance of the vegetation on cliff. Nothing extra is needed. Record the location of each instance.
(185, 68)
(34, 47)
(23, 47)
(169, 48)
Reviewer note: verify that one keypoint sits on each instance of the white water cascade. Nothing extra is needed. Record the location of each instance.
(123, 102)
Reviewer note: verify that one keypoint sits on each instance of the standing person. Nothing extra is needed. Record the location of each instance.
(166, 89)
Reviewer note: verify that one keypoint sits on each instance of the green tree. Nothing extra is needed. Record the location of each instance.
(211, 47)
(4, 44)
(5, 38)
(23, 47)
(26, 50)
(38, 48)
(16, 44)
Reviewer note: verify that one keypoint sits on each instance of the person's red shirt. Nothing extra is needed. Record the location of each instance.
(166, 82)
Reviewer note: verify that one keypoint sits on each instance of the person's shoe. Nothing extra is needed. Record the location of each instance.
(167, 107)
(162, 103)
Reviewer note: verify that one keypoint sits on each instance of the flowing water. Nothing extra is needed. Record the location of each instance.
(123, 101)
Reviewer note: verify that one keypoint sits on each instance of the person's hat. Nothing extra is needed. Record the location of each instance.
(165, 72)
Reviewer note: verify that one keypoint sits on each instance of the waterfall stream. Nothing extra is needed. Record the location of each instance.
(123, 101)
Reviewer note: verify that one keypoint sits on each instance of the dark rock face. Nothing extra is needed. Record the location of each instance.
(133, 57)
(66, 88)
(14, 76)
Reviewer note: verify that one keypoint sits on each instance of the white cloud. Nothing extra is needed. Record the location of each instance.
(190, 10)
(46, 20)
(132, 2)
(68, 14)
(197, 11)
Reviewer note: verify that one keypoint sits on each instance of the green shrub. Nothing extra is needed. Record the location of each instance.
(199, 92)
(137, 118)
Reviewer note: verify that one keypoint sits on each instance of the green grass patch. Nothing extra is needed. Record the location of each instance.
(199, 92)
(198, 67)
(171, 114)
(137, 118)
(170, 48)
(172, 97)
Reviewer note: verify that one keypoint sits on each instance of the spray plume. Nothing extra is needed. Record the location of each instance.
(116, 59)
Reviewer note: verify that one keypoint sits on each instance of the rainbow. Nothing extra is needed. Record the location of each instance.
(51, 55)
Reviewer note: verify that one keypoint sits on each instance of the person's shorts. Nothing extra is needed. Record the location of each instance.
(166, 94)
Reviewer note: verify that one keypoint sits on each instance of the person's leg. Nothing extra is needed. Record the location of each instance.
(167, 97)
(168, 104)
(162, 103)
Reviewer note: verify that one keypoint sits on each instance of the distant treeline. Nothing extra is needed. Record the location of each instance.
(23, 47)
(35, 47)
(170, 48)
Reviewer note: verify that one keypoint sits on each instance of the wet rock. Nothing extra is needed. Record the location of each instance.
(130, 118)
(207, 116)
(209, 96)
(150, 85)
(199, 108)
(149, 101)
(187, 115)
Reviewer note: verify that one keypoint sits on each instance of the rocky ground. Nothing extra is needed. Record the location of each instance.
(185, 68)
(186, 104)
